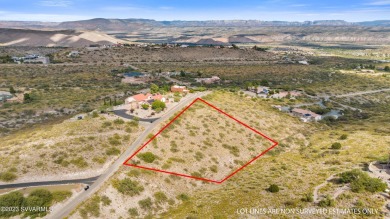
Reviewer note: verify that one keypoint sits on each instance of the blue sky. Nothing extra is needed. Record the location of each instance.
(286, 10)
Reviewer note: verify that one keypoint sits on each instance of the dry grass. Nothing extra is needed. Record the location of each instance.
(68, 149)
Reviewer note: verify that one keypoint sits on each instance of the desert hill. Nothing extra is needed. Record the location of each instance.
(52, 38)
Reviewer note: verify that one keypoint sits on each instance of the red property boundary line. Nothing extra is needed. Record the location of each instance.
(275, 143)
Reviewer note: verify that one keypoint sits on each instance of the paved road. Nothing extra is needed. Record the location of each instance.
(88, 181)
(68, 208)
(122, 113)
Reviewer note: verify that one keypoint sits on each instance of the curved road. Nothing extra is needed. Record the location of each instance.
(88, 181)
(71, 205)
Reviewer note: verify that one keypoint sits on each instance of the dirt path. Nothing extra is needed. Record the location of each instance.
(315, 193)
(337, 193)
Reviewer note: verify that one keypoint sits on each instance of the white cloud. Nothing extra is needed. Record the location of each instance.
(380, 2)
(55, 3)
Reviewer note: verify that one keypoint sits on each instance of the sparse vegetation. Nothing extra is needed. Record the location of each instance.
(128, 186)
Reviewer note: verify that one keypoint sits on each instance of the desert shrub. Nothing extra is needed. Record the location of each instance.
(361, 181)
(79, 162)
(106, 124)
(119, 121)
(7, 176)
(183, 197)
(114, 141)
(145, 204)
(91, 207)
(196, 174)
(148, 157)
(99, 160)
(112, 151)
(232, 149)
(160, 197)
(343, 137)
(105, 200)
(336, 146)
(145, 106)
(134, 173)
(308, 198)
(14, 199)
(59, 196)
(133, 212)
(326, 202)
(95, 114)
(128, 187)
(214, 168)
(273, 188)
(199, 156)
(178, 160)
(38, 197)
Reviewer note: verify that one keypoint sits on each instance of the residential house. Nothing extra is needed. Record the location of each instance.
(180, 89)
(213, 79)
(136, 100)
(306, 115)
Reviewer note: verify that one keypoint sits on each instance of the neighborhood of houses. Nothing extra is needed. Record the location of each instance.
(305, 115)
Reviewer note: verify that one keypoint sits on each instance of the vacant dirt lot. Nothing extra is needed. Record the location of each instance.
(202, 142)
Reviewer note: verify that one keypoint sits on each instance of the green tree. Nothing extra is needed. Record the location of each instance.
(145, 106)
(154, 88)
(182, 73)
(158, 104)
(387, 68)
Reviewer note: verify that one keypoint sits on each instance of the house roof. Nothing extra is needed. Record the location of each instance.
(144, 97)
(140, 97)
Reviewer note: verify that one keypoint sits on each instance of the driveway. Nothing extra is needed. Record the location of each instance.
(122, 113)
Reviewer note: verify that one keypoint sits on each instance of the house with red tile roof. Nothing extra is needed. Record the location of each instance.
(148, 98)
